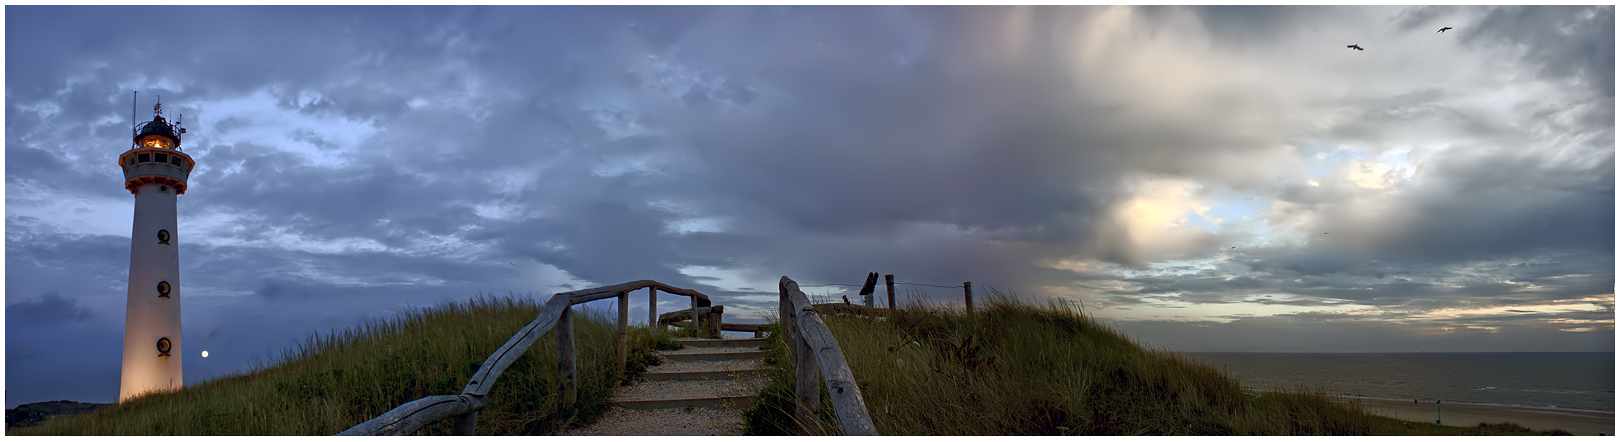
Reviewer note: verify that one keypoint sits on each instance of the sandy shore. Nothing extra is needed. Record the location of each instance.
(1578, 422)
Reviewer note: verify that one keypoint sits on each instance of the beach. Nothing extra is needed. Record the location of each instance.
(1578, 422)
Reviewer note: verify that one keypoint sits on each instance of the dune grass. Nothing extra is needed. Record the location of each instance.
(332, 382)
(1019, 369)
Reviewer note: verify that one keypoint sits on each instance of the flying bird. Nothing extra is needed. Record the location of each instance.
(1357, 47)
(1444, 29)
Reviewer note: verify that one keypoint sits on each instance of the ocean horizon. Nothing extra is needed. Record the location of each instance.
(1563, 380)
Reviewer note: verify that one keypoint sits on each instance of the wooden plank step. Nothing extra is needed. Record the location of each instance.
(738, 402)
(730, 356)
(702, 375)
(735, 343)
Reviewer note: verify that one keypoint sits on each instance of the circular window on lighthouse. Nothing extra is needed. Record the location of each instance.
(163, 289)
(163, 236)
(163, 346)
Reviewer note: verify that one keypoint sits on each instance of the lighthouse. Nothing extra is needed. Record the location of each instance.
(155, 172)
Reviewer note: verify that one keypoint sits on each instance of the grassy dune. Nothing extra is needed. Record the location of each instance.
(333, 382)
(1012, 368)
(1021, 369)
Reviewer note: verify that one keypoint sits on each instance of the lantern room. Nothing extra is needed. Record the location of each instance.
(156, 156)
(158, 132)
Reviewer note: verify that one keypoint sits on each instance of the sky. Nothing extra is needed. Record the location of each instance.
(1199, 178)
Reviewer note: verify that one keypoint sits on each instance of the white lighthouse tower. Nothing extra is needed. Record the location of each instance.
(155, 171)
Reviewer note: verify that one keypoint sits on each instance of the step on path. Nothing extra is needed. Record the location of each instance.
(718, 378)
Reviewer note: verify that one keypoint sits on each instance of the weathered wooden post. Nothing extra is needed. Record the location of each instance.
(868, 287)
(786, 314)
(653, 309)
(808, 387)
(567, 389)
(807, 392)
(968, 294)
(889, 283)
(714, 319)
(694, 316)
(464, 424)
(624, 330)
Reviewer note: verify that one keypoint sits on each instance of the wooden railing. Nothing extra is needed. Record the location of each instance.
(691, 317)
(812, 349)
(712, 325)
(556, 313)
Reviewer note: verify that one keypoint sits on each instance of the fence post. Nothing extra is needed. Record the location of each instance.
(624, 330)
(714, 319)
(653, 309)
(889, 283)
(868, 287)
(801, 362)
(786, 315)
(567, 389)
(968, 294)
(694, 316)
(807, 387)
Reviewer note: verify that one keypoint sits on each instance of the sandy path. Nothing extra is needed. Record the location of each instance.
(1578, 422)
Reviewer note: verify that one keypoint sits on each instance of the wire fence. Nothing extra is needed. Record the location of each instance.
(906, 296)
(916, 296)
(898, 283)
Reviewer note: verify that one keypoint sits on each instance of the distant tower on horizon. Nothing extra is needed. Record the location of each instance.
(155, 171)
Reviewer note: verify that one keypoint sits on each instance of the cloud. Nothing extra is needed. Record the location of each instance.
(21, 351)
(1566, 41)
(50, 308)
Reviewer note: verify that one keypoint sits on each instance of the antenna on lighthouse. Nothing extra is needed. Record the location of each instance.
(134, 115)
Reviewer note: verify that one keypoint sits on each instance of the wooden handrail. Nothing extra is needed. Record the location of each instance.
(613, 290)
(412, 416)
(485, 377)
(683, 314)
(713, 324)
(816, 350)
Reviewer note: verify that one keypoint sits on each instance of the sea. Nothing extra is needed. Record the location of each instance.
(1579, 381)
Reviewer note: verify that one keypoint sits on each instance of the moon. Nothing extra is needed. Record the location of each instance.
(205, 353)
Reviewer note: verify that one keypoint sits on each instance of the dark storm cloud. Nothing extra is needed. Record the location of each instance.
(1566, 41)
(855, 194)
(855, 133)
(22, 351)
(1246, 26)
(1328, 280)
(80, 276)
(73, 362)
(283, 290)
(287, 191)
(1563, 41)
(49, 308)
(1330, 332)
